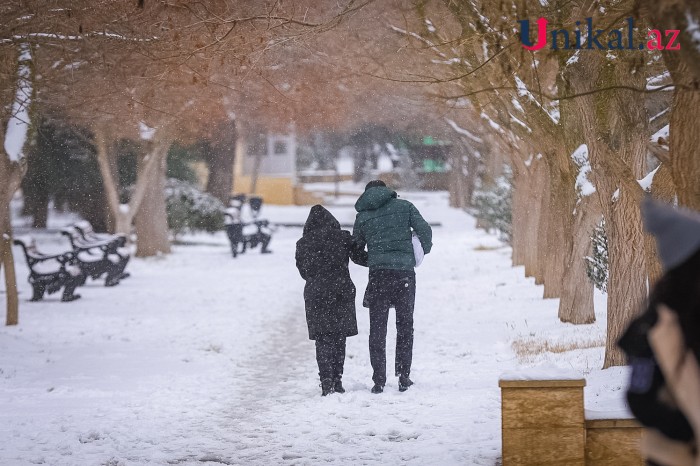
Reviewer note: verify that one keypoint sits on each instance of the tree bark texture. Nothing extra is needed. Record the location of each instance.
(576, 300)
(154, 160)
(122, 218)
(684, 144)
(615, 130)
(562, 200)
(542, 227)
(10, 177)
(220, 161)
(38, 209)
(521, 181)
(675, 15)
(527, 184)
(663, 189)
(456, 180)
(535, 195)
(684, 66)
(576, 303)
(7, 265)
(151, 219)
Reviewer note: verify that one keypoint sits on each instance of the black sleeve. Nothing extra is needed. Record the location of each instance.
(303, 262)
(356, 251)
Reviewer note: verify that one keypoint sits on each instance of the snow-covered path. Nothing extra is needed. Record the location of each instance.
(198, 358)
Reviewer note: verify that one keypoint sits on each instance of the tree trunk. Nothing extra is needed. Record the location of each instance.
(151, 219)
(220, 162)
(615, 130)
(627, 281)
(121, 215)
(576, 303)
(460, 192)
(519, 244)
(7, 263)
(676, 15)
(684, 66)
(663, 189)
(10, 177)
(562, 200)
(11, 174)
(684, 142)
(542, 227)
(533, 204)
(38, 208)
(256, 173)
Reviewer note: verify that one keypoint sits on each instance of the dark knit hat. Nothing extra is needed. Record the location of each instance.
(374, 184)
(677, 231)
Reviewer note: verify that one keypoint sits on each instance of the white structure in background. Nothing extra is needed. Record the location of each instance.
(273, 157)
(276, 154)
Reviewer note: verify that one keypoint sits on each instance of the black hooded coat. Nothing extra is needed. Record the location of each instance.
(322, 256)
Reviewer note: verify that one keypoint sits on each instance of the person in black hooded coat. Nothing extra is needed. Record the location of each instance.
(322, 256)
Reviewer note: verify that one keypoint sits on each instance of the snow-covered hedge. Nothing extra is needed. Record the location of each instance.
(597, 263)
(492, 206)
(190, 209)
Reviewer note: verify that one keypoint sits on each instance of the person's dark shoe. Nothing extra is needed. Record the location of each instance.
(377, 388)
(67, 299)
(326, 387)
(338, 386)
(404, 383)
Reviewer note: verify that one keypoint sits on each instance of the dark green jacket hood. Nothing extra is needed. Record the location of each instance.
(374, 198)
(384, 224)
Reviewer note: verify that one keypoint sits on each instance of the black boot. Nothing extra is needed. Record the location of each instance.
(326, 387)
(404, 383)
(338, 386)
(377, 388)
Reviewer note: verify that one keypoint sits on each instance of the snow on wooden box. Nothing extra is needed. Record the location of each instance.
(542, 422)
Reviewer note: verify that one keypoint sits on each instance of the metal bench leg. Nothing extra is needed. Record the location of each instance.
(38, 289)
(69, 289)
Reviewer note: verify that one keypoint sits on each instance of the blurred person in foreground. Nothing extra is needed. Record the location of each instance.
(385, 224)
(663, 343)
(322, 256)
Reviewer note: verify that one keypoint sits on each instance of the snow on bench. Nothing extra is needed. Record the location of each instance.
(48, 273)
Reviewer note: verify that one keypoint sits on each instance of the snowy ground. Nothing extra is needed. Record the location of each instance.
(202, 359)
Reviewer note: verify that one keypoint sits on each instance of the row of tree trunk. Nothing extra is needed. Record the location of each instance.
(552, 220)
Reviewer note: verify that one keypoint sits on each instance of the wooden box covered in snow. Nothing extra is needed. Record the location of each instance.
(542, 422)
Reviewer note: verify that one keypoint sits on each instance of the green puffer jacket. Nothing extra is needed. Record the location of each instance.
(384, 224)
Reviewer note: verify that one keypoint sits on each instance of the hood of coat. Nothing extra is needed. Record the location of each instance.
(320, 218)
(374, 198)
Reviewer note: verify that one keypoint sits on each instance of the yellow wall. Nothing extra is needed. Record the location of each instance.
(278, 191)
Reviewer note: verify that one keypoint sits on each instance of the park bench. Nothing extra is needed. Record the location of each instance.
(97, 257)
(48, 273)
(243, 235)
(117, 243)
(89, 234)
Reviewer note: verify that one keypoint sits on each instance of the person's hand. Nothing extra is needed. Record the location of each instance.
(678, 364)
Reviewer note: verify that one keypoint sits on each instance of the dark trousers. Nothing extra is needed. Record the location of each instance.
(390, 288)
(234, 231)
(330, 355)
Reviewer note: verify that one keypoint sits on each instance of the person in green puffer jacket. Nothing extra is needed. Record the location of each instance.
(385, 225)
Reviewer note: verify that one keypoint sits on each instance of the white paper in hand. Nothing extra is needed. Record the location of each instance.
(417, 249)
